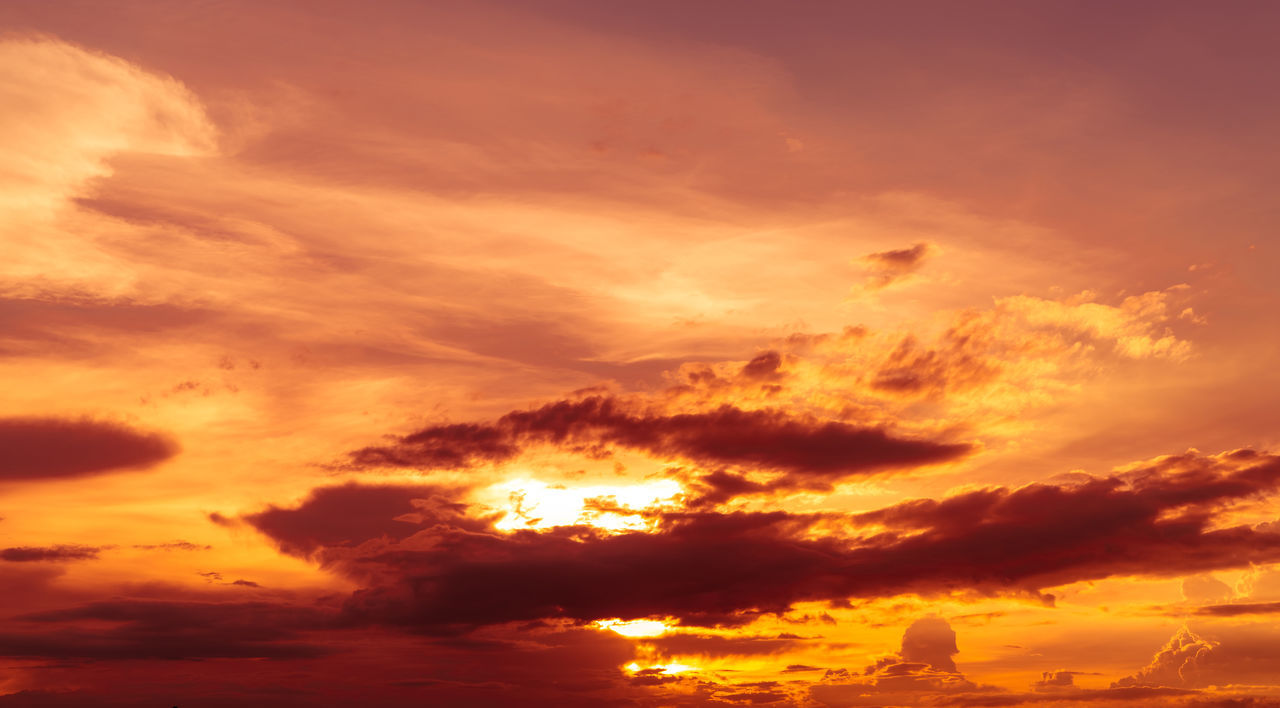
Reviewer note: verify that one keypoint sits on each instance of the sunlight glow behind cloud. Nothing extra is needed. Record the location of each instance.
(634, 628)
(533, 504)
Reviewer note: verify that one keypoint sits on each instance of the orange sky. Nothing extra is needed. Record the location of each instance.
(566, 353)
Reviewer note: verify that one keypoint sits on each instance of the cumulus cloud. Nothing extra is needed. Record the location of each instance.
(932, 641)
(1214, 654)
(1136, 327)
(923, 672)
(1178, 663)
(1055, 680)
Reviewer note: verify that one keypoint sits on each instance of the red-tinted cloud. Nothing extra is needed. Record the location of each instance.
(153, 629)
(888, 267)
(683, 644)
(1055, 681)
(1239, 608)
(804, 448)
(1131, 695)
(922, 672)
(724, 568)
(50, 448)
(23, 554)
(348, 515)
(542, 668)
(1213, 655)
(37, 327)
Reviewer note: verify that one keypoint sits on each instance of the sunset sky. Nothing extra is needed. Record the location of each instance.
(570, 353)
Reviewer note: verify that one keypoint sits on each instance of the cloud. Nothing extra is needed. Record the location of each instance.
(706, 569)
(980, 348)
(540, 668)
(932, 641)
(351, 514)
(807, 450)
(1178, 663)
(1216, 654)
(1130, 695)
(152, 629)
(449, 572)
(80, 108)
(713, 645)
(1136, 326)
(921, 673)
(49, 553)
(1260, 583)
(1239, 608)
(886, 268)
(54, 448)
(172, 546)
(1055, 681)
(71, 326)
(764, 367)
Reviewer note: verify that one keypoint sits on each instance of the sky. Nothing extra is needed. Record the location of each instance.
(574, 354)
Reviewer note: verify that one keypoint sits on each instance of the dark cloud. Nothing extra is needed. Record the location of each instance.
(710, 645)
(1154, 520)
(764, 367)
(351, 514)
(1055, 681)
(173, 546)
(554, 668)
(888, 267)
(1239, 608)
(718, 487)
(754, 695)
(800, 668)
(51, 448)
(704, 568)
(442, 447)
(153, 629)
(900, 259)
(127, 651)
(1132, 695)
(28, 584)
(449, 571)
(809, 451)
(24, 554)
